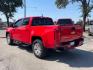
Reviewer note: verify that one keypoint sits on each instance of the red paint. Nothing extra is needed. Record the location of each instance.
(51, 35)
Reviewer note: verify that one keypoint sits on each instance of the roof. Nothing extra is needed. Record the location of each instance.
(36, 17)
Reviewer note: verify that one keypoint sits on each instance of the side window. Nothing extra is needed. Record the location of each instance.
(26, 21)
(42, 21)
(36, 21)
(18, 23)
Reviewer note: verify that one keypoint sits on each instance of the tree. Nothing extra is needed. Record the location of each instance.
(8, 7)
(86, 7)
(79, 22)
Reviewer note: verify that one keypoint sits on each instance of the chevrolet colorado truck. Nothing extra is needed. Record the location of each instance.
(42, 34)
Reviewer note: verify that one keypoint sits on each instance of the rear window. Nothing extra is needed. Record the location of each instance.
(42, 21)
(64, 21)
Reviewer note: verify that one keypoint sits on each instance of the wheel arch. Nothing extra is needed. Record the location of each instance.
(36, 37)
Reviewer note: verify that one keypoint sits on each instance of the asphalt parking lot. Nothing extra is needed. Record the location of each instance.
(15, 58)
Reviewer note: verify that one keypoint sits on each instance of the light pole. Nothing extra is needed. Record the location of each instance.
(24, 8)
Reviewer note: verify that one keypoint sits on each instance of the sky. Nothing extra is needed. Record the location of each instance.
(49, 9)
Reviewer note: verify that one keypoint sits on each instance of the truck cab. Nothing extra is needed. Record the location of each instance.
(42, 34)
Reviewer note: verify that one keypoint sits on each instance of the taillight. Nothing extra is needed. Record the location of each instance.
(57, 36)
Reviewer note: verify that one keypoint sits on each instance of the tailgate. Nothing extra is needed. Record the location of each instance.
(70, 32)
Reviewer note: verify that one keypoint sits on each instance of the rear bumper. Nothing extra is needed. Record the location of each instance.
(67, 45)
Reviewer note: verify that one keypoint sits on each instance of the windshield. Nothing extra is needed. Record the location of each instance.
(64, 21)
(42, 21)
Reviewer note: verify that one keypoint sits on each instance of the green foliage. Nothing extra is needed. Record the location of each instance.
(86, 6)
(61, 3)
(8, 7)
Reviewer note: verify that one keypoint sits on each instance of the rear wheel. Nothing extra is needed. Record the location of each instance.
(38, 49)
(9, 40)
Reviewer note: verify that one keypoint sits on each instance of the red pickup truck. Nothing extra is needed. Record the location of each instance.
(42, 34)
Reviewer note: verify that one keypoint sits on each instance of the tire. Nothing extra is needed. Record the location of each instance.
(38, 49)
(9, 40)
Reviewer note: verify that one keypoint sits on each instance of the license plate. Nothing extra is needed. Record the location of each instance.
(72, 43)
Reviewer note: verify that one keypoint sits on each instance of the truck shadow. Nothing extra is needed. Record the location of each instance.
(76, 58)
(27, 48)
